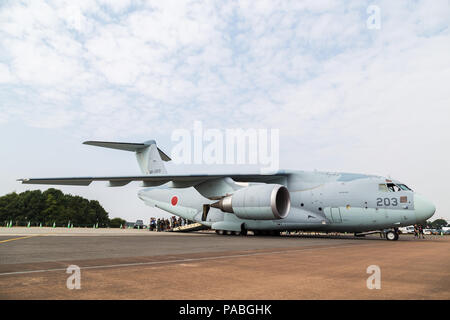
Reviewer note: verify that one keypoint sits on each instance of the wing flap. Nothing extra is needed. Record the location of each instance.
(59, 181)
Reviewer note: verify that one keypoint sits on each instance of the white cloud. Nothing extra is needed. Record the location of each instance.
(267, 57)
(5, 74)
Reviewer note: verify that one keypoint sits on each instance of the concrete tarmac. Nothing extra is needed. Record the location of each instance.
(139, 264)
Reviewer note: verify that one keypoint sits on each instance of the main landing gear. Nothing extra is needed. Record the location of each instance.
(245, 232)
(391, 235)
(230, 233)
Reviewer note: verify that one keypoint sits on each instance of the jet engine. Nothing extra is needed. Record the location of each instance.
(260, 202)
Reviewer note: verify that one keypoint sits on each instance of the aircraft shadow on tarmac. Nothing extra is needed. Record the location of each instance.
(332, 236)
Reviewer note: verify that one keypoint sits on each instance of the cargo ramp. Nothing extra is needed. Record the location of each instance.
(190, 227)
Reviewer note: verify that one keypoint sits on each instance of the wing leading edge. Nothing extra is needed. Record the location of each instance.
(154, 180)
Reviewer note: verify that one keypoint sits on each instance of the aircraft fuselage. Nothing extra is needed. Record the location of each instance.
(320, 201)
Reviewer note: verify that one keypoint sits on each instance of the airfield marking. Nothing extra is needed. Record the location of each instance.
(26, 237)
(184, 260)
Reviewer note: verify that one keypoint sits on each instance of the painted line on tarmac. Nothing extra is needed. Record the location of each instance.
(13, 239)
(184, 260)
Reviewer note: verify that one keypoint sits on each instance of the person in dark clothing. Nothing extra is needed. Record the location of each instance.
(421, 232)
(416, 231)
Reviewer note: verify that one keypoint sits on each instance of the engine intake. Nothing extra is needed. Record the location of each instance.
(260, 202)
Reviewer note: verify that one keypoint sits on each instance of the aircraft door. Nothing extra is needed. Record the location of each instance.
(206, 208)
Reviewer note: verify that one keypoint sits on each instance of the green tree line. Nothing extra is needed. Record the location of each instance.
(53, 207)
(436, 224)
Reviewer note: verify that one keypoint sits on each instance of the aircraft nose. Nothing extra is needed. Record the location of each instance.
(423, 208)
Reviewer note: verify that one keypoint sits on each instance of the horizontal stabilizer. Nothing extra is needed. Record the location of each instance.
(135, 147)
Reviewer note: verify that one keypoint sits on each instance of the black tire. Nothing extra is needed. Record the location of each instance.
(391, 236)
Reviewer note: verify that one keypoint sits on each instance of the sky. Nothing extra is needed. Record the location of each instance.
(350, 89)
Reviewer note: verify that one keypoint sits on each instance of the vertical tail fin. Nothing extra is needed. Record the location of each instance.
(149, 157)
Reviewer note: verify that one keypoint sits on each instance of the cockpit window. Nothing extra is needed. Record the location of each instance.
(393, 187)
(404, 187)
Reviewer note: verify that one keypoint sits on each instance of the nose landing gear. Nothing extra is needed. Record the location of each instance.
(391, 235)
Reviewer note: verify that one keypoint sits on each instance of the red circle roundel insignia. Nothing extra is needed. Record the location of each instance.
(174, 200)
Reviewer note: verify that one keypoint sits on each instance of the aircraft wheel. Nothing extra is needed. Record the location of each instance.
(229, 233)
(391, 235)
(220, 232)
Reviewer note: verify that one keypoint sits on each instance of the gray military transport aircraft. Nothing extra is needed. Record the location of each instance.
(267, 204)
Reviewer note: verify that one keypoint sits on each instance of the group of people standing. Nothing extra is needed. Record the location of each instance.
(163, 224)
(418, 231)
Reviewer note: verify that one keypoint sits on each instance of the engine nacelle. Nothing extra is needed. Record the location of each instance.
(260, 202)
